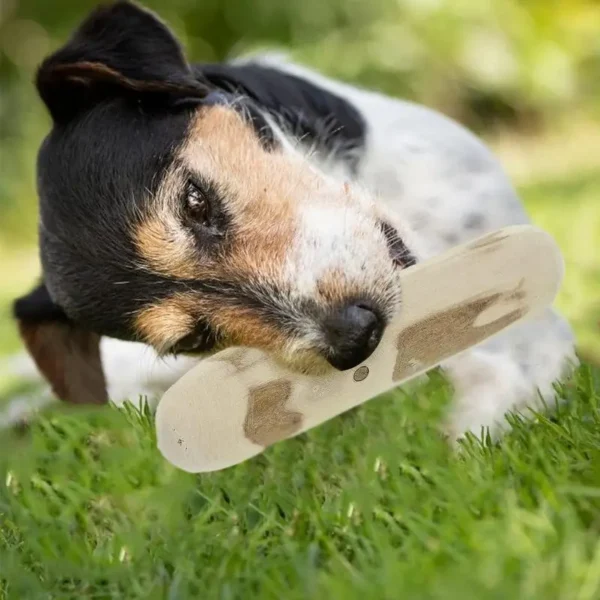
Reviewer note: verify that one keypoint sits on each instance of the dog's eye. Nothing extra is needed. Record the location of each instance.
(201, 340)
(197, 205)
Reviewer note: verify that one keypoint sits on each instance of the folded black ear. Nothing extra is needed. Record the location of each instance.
(119, 48)
(66, 355)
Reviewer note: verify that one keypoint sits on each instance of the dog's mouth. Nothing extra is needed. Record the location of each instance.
(204, 340)
(400, 254)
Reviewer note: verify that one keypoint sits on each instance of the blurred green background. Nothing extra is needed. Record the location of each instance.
(525, 74)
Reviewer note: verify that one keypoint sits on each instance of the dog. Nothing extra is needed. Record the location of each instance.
(185, 208)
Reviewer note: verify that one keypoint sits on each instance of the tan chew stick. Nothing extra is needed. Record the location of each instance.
(236, 403)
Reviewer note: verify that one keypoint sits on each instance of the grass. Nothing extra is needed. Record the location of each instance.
(370, 505)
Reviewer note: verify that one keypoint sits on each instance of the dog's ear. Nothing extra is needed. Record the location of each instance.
(66, 355)
(119, 48)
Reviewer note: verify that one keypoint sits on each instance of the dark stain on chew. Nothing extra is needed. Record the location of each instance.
(518, 294)
(268, 420)
(237, 358)
(451, 331)
(361, 373)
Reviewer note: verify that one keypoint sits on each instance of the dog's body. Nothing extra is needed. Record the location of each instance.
(429, 183)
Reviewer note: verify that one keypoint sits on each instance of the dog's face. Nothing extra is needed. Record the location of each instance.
(181, 217)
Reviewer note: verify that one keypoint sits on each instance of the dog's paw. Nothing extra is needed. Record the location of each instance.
(486, 387)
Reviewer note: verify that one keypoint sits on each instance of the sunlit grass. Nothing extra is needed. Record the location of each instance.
(370, 505)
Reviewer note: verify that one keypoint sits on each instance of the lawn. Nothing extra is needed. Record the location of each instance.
(371, 505)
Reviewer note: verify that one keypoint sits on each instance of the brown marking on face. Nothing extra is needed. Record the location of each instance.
(164, 245)
(262, 187)
(447, 332)
(167, 321)
(259, 192)
(268, 420)
(166, 248)
(245, 328)
(262, 192)
(489, 242)
(334, 287)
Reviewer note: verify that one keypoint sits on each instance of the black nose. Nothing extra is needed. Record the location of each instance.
(352, 333)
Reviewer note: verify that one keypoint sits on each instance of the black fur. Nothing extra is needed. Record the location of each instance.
(399, 251)
(122, 96)
(94, 176)
(313, 114)
(118, 47)
(38, 307)
(116, 92)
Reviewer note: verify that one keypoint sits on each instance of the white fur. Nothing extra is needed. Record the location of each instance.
(333, 238)
(439, 186)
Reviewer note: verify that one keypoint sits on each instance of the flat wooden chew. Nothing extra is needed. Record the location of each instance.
(236, 403)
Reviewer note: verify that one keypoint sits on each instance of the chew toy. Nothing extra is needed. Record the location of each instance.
(238, 402)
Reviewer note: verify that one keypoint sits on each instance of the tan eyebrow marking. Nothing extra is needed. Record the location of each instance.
(166, 248)
(166, 321)
(261, 200)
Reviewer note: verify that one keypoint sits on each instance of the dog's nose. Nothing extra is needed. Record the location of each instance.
(352, 333)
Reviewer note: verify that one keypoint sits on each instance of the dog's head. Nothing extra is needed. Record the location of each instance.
(179, 216)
